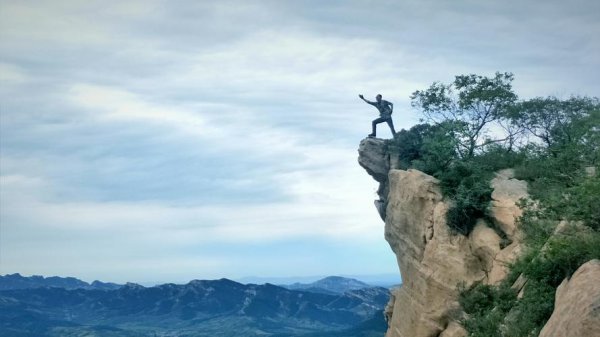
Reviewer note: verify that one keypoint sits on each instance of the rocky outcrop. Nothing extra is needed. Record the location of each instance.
(504, 210)
(435, 262)
(485, 244)
(374, 158)
(577, 305)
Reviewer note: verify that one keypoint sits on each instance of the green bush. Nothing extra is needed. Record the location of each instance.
(582, 202)
(468, 184)
(549, 173)
(549, 258)
(496, 157)
(530, 313)
(485, 326)
(465, 180)
(433, 150)
(438, 150)
(408, 144)
(577, 203)
(478, 300)
(536, 225)
(496, 311)
(486, 307)
(470, 203)
(483, 298)
(562, 255)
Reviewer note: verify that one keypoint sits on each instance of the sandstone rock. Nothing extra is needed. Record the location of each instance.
(577, 305)
(507, 192)
(454, 330)
(519, 283)
(485, 244)
(433, 261)
(502, 260)
(519, 286)
(504, 211)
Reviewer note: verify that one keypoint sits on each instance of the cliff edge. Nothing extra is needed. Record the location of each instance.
(433, 261)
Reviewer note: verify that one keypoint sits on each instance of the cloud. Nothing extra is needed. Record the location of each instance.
(76, 234)
(218, 134)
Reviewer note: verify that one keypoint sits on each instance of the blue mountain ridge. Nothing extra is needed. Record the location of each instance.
(330, 285)
(17, 281)
(198, 308)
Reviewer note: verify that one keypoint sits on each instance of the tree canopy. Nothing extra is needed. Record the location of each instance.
(474, 104)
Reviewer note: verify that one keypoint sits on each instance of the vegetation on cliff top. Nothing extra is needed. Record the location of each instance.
(476, 126)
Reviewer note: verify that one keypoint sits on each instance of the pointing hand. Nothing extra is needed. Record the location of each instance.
(361, 96)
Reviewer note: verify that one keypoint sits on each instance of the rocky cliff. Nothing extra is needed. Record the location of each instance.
(436, 263)
(433, 261)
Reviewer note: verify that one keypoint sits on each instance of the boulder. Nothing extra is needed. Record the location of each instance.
(577, 305)
(505, 196)
(485, 244)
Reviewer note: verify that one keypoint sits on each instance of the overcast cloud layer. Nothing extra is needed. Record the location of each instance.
(171, 140)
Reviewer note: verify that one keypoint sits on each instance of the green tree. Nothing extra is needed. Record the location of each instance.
(559, 123)
(474, 104)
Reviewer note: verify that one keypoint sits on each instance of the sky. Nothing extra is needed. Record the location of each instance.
(163, 141)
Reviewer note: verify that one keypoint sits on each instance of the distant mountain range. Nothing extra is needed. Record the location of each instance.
(220, 308)
(16, 281)
(381, 280)
(330, 285)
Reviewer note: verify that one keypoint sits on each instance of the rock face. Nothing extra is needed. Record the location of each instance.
(577, 305)
(374, 158)
(433, 261)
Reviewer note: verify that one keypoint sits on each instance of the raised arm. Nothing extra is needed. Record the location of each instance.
(367, 101)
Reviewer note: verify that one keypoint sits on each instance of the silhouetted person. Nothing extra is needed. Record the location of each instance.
(385, 113)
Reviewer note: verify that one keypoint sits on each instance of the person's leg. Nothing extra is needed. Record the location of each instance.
(390, 122)
(374, 125)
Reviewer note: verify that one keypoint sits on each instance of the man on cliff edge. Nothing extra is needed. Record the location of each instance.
(385, 114)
